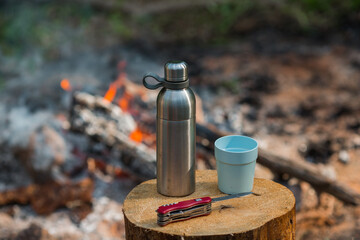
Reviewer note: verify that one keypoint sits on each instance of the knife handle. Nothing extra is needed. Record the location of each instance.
(178, 206)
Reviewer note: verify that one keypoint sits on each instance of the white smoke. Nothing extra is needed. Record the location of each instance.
(18, 124)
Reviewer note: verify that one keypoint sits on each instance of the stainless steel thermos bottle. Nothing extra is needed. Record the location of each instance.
(175, 133)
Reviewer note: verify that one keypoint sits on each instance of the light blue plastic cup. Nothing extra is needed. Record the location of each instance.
(235, 161)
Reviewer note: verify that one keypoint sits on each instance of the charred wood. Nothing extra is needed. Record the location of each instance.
(45, 198)
(106, 122)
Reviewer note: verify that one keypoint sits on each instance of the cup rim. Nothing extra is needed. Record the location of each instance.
(236, 136)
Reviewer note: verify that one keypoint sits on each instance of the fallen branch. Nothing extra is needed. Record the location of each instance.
(303, 171)
(309, 173)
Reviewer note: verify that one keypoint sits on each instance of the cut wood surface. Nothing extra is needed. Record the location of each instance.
(268, 216)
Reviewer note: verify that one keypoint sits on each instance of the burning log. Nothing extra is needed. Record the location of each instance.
(106, 122)
(303, 171)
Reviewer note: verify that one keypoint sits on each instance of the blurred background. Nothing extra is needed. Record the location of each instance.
(73, 110)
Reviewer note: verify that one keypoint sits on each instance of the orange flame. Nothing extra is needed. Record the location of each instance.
(111, 92)
(124, 101)
(124, 104)
(136, 135)
(65, 84)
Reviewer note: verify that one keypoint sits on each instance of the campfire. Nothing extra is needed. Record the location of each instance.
(79, 168)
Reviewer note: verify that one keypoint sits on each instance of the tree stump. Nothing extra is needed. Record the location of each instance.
(268, 216)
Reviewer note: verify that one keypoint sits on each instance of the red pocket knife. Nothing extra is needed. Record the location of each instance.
(184, 210)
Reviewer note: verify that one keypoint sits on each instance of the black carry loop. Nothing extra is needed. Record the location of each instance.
(163, 82)
(156, 77)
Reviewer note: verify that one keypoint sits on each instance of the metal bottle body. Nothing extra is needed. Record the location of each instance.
(175, 145)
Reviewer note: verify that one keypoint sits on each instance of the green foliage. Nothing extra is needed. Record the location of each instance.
(217, 22)
(118, 25)
(309, 15)
(210, 24)
(317, 5)
(15, 30)
(23, 26)
(228, 13)
(320, 14)
(231, 85)
(50, 24)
